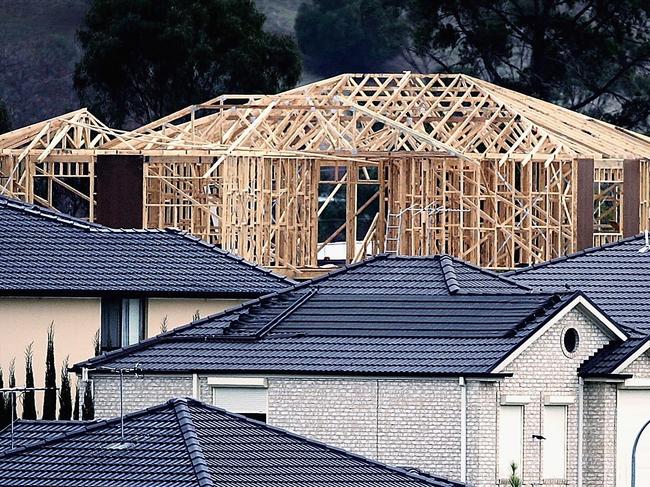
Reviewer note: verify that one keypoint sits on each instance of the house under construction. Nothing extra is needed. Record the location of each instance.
(404, 163)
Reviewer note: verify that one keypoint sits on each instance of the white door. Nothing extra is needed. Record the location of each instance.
(633, 412)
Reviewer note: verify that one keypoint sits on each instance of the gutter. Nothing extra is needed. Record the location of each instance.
(580, 428)
(463, 429)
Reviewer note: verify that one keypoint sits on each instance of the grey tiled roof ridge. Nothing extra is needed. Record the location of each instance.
(449, 260)
(574, 255)
(180, 406)
(170, 335)
(81, 224)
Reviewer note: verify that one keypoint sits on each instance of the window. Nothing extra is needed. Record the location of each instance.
(555, 442)
(511, 430)
(123, 322)
(248, 401)
(570, 341)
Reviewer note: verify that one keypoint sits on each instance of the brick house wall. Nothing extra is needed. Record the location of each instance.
(416, 422)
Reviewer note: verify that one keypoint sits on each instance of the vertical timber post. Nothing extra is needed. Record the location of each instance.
(631, 196)
(118, 185)
(585, 204)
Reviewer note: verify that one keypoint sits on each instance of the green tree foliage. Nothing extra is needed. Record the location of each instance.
(584, 55)
(5, 121)
(65, 393)
(29, 404)
(514, 480)
(88, 406)
(144, 59)
(49, 397)
(339, 36)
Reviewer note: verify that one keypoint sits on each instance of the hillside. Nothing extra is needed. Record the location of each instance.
(38, 52)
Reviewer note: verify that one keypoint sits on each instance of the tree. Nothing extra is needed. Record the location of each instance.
(4, 405)
(143, 60)
(5, 121)
(65, 393)
(97, 344)
(584, 55)
(75, 411)
(88, 407)
(29, 404)
(49, 396)
(12, 384)
(340, 36)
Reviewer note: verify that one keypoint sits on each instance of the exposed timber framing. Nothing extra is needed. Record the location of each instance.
(419, 163)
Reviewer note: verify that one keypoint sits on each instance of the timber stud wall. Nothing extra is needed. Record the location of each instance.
(266, 208)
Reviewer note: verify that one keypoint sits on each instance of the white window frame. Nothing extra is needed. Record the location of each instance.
(504, 439)
(555, 444)
(256, 387)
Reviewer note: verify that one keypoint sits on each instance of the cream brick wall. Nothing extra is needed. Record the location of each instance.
(599, 460)
(544, 369)
(416, 423)
(139, 393)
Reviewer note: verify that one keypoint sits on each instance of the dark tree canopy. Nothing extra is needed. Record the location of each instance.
(29, 403)
(5, 412)
(88, 406)
(49, 396)
(143, 59)
(65, 394)
(75, 410)
(12, 383)
(591, 56)
(5, 121)
(340, 36)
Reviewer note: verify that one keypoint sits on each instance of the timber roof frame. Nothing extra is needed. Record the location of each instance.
(454, 114)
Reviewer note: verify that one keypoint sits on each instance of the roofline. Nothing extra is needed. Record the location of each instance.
(578, 299)
(579, 253)
(317, 373)
(64, 219)
(72, 293)
(642, 348)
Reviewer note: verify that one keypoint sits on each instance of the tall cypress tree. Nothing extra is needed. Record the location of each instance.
(4, 410)
(49, 398)
(29, 404)
(75, 411)
(12, 384)
(65, 394)
(88, 407)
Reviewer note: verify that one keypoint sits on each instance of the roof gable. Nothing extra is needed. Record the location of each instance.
(46, 252)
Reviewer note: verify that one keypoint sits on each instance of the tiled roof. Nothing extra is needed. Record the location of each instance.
(185, 443)
(46, 252)
(430, 275)
(306, 330)
(28, 431)
(615, 276)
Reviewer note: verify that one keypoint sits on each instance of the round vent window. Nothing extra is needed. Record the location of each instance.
(570, 340)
